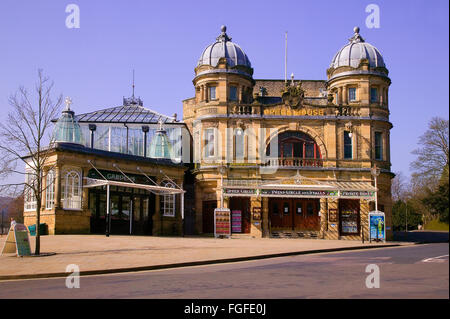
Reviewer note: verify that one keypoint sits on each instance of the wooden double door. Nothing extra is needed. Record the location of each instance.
(294, 213)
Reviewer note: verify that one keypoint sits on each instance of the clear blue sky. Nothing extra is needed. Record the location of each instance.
(162, 41)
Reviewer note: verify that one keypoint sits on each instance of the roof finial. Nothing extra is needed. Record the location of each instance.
(133, 83)
(223, 37)
(68, 102)
(356, 37)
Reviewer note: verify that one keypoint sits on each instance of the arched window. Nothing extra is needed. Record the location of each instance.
(71, 190)
(295, 149)
(167, 204)
(297, 145)
(50, 190)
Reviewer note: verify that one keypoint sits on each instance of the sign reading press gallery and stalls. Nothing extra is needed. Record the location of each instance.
(307, 193)
(119, 177)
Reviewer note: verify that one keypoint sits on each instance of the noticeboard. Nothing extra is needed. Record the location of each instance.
(222, 222)
(377, 226)
(17, 241)
(236, 221)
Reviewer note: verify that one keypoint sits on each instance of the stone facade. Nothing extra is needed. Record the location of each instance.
(322, 110)
(64, 220)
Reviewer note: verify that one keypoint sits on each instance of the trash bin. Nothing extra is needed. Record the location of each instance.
(32, 230)
(42, 229)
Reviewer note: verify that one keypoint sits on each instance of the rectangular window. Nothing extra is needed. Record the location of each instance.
(239, 144)
(348, 149)
(212, 92)
(29, 197)
(378, 146)
(50, 190)
(373, 95)
(352, 94)
(209, 143)
(233, 93)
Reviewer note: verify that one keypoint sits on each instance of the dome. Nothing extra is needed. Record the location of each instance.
(224, 48)
(356, 50)
(160, 146)
(67, 129)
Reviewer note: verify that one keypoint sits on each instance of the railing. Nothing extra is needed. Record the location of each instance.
(241, 109)
(295, 162)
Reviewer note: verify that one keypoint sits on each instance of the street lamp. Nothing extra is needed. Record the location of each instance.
(375, 171)
(222, 170)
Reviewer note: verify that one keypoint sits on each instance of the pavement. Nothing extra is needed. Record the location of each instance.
(97, 254)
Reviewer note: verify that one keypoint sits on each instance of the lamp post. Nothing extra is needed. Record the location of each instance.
(375, 171)
(222, 170)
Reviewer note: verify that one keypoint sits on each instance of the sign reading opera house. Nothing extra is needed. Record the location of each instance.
(288, 158)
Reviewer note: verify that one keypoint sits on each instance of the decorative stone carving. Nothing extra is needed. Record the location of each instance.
(293, 95)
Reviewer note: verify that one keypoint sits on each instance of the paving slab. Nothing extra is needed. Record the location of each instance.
(101, 254)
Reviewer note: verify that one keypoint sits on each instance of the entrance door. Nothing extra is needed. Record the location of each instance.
(208, 216)
(294, 214)
(281, 213)
(310, 219)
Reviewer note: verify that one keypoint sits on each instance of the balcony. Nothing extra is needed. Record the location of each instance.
(294, 162)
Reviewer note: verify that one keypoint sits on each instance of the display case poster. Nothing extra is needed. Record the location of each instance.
(236, 221)
(377, 226)
(222, 222)
(349, 221)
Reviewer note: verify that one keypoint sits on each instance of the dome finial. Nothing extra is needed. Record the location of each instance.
(68, 101)
(223, 37)
(356, 37)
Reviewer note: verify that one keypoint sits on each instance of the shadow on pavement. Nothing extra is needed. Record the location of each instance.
(422, 236)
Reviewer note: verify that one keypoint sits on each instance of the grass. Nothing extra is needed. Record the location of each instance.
(436, 225)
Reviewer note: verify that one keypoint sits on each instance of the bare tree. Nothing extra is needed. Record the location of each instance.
(399, 187)
(25, 138)
(433, 153)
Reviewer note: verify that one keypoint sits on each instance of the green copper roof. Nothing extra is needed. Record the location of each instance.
(160, 146)
(67, 128)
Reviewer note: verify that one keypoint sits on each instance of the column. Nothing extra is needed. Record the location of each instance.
(157, 217)
(323, 217)
(345, 95)
(256, 224)
(333, 219)
(57, 188)
(364, 218)
(265, 217)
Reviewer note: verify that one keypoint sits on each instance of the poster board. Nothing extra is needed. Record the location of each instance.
(236, 221)
(17, 241)
(377, 226)
(222, 222)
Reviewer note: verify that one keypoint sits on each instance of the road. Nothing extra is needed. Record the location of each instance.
(419, 271)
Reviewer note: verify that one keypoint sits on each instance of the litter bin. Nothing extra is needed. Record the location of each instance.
(42, 229)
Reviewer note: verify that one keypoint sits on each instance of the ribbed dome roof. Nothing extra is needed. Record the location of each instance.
(356, 50)
(67, 129)
(224, 48)
(160, 146)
